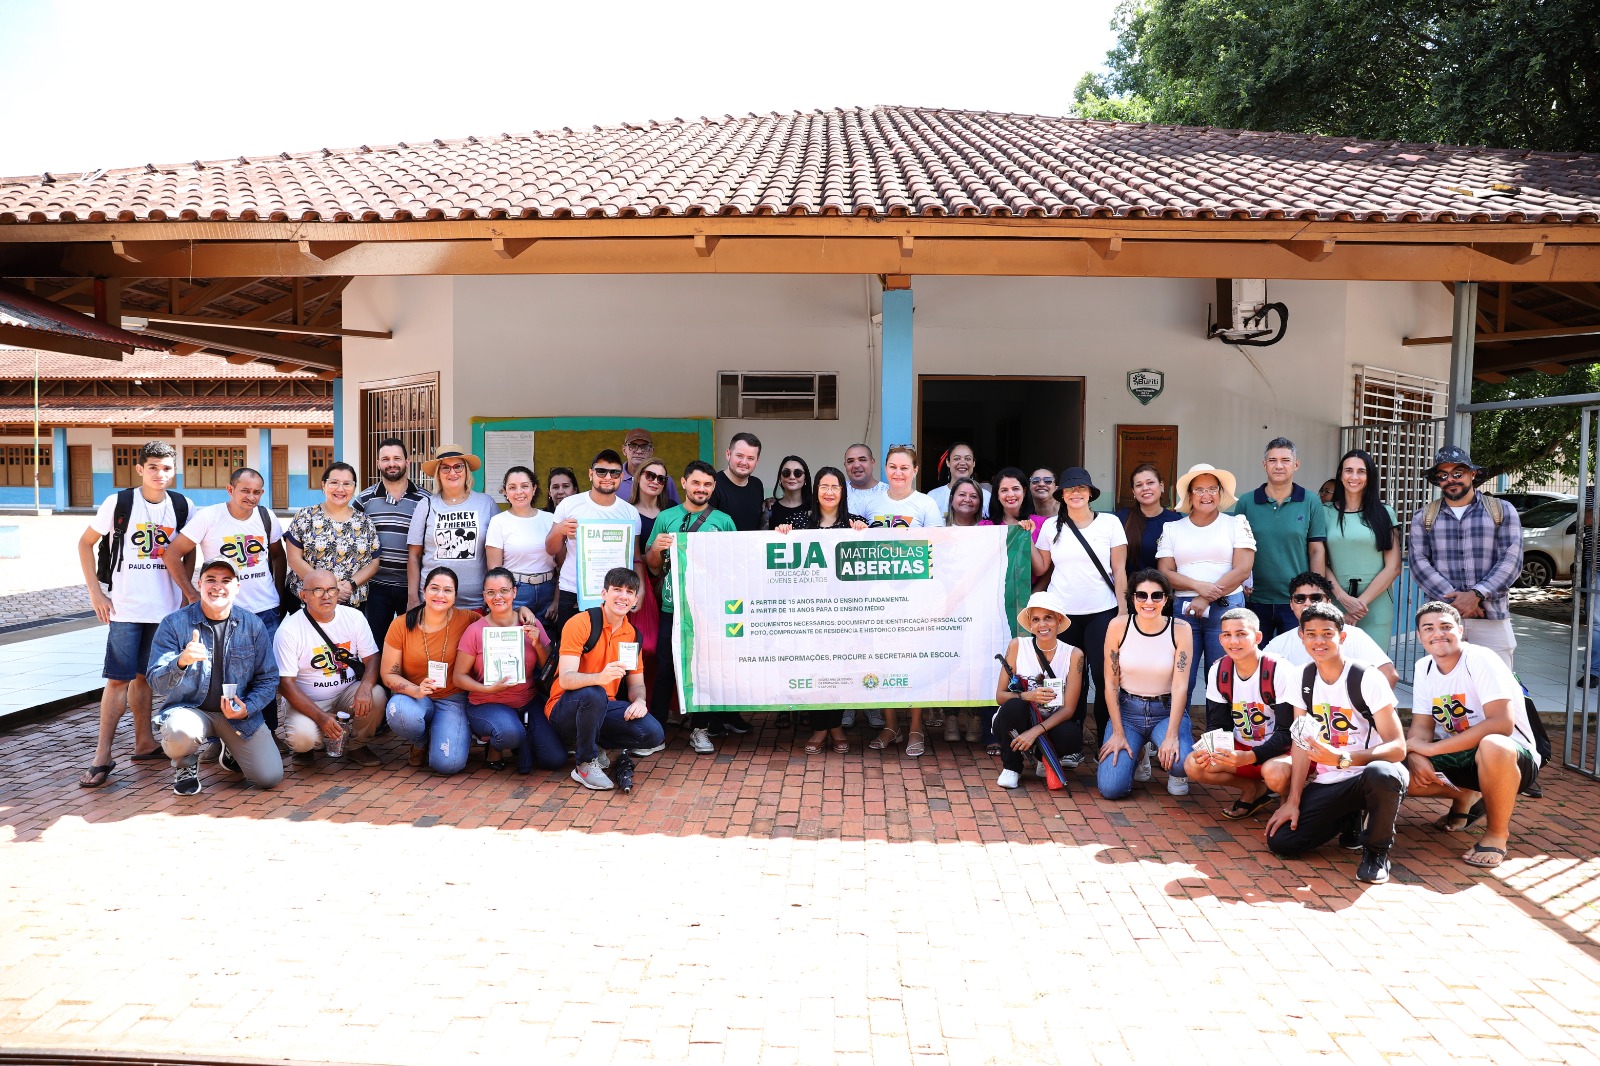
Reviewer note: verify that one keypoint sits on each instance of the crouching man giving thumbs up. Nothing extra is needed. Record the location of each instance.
(215, 667)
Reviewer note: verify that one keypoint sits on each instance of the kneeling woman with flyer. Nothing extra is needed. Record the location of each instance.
(1041, 678)
(419, 653)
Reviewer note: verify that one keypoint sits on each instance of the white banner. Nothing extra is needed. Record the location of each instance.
(825, 618)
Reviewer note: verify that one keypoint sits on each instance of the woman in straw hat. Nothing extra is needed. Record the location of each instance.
(450, 528)
(1052, 671)
(1206, 555)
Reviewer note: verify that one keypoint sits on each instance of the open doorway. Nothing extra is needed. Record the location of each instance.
(1024, 422)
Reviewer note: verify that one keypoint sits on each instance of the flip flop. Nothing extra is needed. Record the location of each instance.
(1470, 817)
(1485, 858)
(95, 776)
(149, 755)
(1244, 809)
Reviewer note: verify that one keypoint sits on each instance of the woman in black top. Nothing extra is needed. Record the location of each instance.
(1144, 521)
(794, 493)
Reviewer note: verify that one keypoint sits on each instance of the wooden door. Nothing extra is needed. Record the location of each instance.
(80, 475)
(1136, 445)
(280, 477)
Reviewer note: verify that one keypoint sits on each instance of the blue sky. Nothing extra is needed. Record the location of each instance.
(98, 83)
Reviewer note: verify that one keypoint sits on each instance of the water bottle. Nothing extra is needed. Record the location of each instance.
(336, 747)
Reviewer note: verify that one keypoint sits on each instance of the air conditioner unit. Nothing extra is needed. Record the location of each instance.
(1243, 315)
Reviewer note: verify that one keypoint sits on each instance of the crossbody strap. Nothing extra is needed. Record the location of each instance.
(1093, 558)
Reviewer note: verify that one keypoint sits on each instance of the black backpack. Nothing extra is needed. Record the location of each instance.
(1352, 685)
(552, 665)
(108, 559)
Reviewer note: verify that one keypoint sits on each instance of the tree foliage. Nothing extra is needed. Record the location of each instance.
(1505, 73)
(1533, 445)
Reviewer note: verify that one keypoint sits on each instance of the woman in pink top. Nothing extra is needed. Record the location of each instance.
(508, 713)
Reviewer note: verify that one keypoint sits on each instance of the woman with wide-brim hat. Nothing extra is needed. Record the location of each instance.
(451, 527)
(1085, 553)
(1206, 555)
(1052, 671)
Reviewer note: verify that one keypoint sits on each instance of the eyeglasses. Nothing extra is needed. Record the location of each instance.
(1212, 490)
(792, 472)
(1459, 474)
(606, 471)
(1041, 481)
(637, 445)
(1149, 597)
(651, 475)
(1075, 488)
(330, 590)
(452, 468)
(1309, 597)
(498, 594)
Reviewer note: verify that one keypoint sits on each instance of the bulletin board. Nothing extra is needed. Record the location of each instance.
(573, 442)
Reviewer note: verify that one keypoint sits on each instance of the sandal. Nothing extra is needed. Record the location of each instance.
(916, 744)
(993, 749)
(1446, 823)
(886, 739)
(1484, 857)
(814, 745)
(95, 776)
(841, 747)
(1245, 808)
(414, 757)
(149, 755)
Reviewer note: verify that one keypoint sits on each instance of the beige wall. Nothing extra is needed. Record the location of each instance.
(650, 346)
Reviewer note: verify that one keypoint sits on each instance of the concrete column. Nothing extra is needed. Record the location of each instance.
(58, 468)
(265, 464)
(898, 385)
(338, 421)
(1463, 332)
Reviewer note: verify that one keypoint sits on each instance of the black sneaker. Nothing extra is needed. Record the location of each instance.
(226, 760)
(736, 724)
(1350, 835)
(1374, 868)
(186, 779)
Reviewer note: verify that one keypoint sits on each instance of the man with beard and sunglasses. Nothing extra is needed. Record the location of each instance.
(600, 503)
(1306, 589)
(1466, 550)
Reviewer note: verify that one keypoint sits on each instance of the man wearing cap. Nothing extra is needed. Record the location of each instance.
(214, 667)
(1466, 550)
(450, 528)
(638, 448)
(1291, 536)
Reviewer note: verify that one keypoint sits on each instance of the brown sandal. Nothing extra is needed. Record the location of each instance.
(814, 745)
(95, 776)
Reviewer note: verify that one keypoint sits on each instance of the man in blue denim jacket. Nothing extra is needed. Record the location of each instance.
(203, 701)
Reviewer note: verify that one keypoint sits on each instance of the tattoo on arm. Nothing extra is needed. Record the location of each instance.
(1116, 666)
(1183, 660)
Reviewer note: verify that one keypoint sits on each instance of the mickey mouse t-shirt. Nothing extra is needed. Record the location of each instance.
(454, 535)
(141, 590)
(1342, 725)
(245, 544)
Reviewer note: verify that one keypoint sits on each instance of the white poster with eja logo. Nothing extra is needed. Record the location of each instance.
(838, 618)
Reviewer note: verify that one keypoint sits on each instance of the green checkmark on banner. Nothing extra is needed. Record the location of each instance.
(735, 629)
(734, 606)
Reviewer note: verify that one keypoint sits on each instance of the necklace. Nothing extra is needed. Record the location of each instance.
(427, 654)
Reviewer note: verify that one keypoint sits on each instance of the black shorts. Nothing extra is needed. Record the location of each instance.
(1460, 768)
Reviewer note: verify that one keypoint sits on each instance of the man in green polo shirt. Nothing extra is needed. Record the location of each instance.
(1291, 536)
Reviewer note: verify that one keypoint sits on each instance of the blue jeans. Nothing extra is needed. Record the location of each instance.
(440, 725)
(128, 649)
(536, 743)
(587, 721)
(1207, 633)
(537, 598)
(1142, 721)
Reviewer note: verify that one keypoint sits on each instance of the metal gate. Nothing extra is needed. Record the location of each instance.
(406, 409)
(1583, 704)
(1401, 451)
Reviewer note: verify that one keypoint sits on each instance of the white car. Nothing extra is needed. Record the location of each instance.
(1549, 542)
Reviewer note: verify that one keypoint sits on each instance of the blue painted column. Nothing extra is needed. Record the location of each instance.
(58, 468)
(899, 382)
(338, 419)
(265, 464)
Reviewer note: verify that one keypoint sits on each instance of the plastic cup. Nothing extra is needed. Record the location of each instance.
(438, 673)
(628, 655)
(229, 691)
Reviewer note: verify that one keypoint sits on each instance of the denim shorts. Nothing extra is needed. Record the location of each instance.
(128, 650)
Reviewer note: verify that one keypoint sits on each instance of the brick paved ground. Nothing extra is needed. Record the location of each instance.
(764, 907)
(42, 605)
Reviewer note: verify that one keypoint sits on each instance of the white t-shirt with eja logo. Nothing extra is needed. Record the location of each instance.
(141, 590)
(304, 656)
(1342, 725)
(1456, 699)
(1253, 718)
(245, 544)
(581, 505)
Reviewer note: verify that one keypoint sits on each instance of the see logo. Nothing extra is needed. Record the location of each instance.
(151, 540)
(796, 556)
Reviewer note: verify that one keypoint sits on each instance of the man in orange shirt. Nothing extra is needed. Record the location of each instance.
(583, 708)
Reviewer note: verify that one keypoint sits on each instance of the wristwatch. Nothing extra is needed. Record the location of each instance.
(1344, 760)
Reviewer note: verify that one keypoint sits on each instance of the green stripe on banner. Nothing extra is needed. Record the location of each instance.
(1019, 572)
(683, 626)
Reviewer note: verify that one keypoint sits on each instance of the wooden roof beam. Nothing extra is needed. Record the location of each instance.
(1311, 251)
(259, 327)
(1515, 254)
(511, 247)
(24, 337)
(253, 345)
(325, 250)
(1514, 335)
(144, 251)
(1107, 249)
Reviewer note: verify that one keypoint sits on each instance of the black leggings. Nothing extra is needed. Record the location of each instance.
(1014, 714)
(1088, 632)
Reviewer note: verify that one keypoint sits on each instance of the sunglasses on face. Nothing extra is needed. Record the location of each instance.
(651, 475)
(606, 471)
(1149, 597)
(792, 472)
(1309, 597)
(1463, 474)
(332, 590)
(1041, 481)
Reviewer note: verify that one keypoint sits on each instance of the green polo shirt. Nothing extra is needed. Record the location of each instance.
(673, 520)
(1282, 532)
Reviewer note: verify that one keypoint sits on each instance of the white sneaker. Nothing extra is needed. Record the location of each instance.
(1009, 779)
(639, 753)
(590, 775)
(1040, 769)
(604, 759)
(1142, 773)
(952, 729)
(700, 742)
(1177, 786)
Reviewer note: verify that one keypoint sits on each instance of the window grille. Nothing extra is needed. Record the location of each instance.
(406, 409)
(777, 394)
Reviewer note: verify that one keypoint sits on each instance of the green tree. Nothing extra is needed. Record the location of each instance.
(1507, 73)
(1532, 445)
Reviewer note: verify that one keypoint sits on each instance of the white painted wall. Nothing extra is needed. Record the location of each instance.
(649, 346)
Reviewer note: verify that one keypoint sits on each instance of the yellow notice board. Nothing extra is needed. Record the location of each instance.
(573, 442)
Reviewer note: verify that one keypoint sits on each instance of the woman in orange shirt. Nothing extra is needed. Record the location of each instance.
(419, 658)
